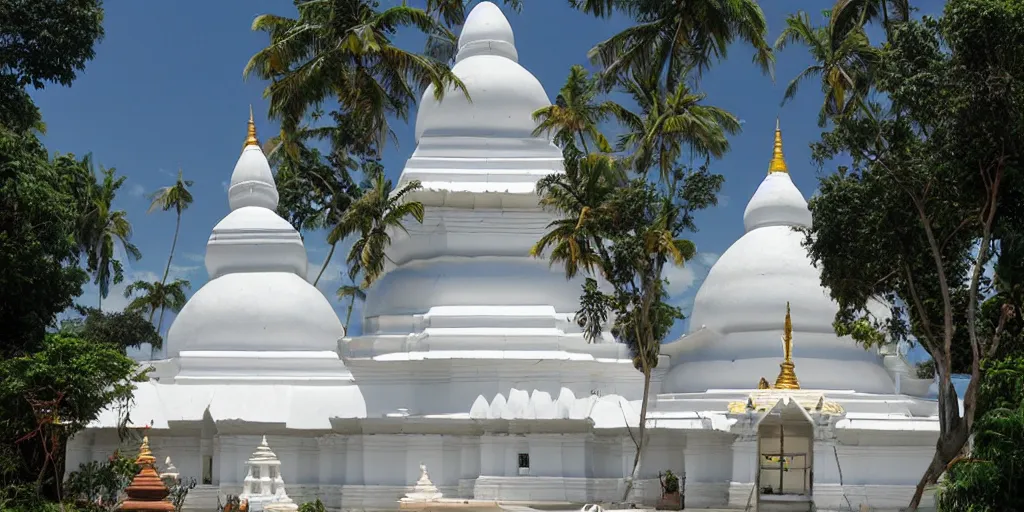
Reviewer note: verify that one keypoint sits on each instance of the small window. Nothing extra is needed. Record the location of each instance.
(524, 461)
(207, 470)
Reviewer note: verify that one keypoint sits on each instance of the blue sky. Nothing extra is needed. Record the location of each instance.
(165, 91)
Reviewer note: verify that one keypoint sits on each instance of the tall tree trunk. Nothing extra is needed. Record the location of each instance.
(326, 261)
(348, 316)
(174, 243)
(640, 440)
(950, 444)
(163, 281)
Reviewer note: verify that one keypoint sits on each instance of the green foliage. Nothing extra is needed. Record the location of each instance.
(103, 228)
(932, 196)
(42, 41)
(926, 369)
(38, 249)
(313, 506)
(343, 51)
(101, 484)
(678, 36)
(669, 482)
(52, 394)
(988, 479)
(122, 329)
(842, 60)
(577, 113)
(157, 296)
(179, 490)
(380, 209)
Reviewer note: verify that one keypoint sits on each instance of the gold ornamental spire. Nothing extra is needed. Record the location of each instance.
(778, 163)
(250, 136)
(145, 455)
(787, 374)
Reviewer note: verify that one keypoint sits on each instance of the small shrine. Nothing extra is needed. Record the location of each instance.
(424, 490)
(146, 493)
(170, 472)
(263, 488)
(787, 385)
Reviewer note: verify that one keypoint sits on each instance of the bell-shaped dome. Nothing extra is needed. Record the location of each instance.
(768, 266)
(258, 298)
(743, 297)
(502, 94)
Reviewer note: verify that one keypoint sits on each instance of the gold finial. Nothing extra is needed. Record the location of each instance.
(145, 455)
(787, 374)
(778, 163)
(250, 138)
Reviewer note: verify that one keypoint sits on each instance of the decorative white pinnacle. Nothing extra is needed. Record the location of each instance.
(263, 453)
(169, 470)
(487, 32)
(424, 490)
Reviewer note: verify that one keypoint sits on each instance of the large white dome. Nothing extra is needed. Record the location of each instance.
(743, 302)
(256, 311)
(258, 298)
(503, 94)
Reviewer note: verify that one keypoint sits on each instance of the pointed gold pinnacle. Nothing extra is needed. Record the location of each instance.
(250, 136)
(778, 163)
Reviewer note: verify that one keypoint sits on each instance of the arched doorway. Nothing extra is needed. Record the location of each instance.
(785, 451)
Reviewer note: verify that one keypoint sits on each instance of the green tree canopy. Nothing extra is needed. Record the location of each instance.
(932, 196)
(42, 41)
(38, 250)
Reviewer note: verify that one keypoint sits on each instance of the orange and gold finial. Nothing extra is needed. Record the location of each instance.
(778, 163)
(146, 493)
(145, 455)
(787, 374)
(250, 136)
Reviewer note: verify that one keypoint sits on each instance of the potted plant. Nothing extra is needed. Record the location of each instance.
(671, 499)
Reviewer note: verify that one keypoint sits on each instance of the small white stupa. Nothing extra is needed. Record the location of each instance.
(170, 472)
(424, 490)
(264, 485)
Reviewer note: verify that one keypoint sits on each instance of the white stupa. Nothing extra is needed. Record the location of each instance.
(258, 305)
(470, 361)
(736, 311)
(263, 486)
(468, 266)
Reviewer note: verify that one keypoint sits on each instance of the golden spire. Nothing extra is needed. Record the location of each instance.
(250, 136)
(145, 455)
(778, 163)
(787, 376)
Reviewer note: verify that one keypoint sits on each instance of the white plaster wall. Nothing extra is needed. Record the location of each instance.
(374, 470)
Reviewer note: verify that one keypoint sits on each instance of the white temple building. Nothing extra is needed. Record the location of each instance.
(471, 365)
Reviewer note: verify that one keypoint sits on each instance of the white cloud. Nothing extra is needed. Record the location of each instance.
(683, 279)
(192, 256)
(137, 191)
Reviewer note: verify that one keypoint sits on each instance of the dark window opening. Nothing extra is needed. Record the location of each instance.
(524, 461)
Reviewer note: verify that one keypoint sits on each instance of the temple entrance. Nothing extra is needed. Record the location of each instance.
(785, 447)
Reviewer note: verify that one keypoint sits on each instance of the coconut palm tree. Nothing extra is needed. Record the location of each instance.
(842, 61)
(157, 295)
(579, 195)
(451, 14)
(342, 50)
(669, 121)
(103, 229)
(380, 210)
(576, 113)
(679, 35)
(352, 293)
(851, 14)
(178, 198)
(316, 188)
